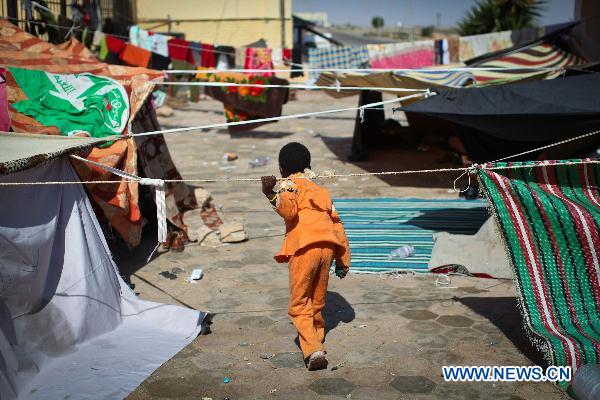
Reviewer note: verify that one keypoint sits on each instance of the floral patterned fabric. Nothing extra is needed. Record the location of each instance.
(243, 103)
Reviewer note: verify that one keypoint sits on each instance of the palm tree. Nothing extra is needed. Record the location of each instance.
(377, 22)
(500, 15)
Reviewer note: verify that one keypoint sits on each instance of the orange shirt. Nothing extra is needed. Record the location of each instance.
(309, 218)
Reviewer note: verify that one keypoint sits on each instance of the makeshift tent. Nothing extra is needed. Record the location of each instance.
(545, 55)
(69, 326)
(498, 121)
(549, 219)
(118, 204)
(367, 127)
(553, 50)
(395, 80)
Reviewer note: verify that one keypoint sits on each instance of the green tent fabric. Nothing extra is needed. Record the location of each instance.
(549, 218)
(97, 106)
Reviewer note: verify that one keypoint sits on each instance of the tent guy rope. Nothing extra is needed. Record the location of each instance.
(280, 118)
(291, 86)
(325, 175)
(159, 193)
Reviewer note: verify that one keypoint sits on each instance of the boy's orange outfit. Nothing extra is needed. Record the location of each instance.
(314, 238)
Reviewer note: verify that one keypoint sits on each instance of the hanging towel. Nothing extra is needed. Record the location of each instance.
(98, 37)
(240, 57)
(277, 56)
(114, 45)
(136, 56)
(140, 37)
(338, 57)
(259, 58)
(195, 54)
(445, 52)
(287, 56)
(225, 56)
(103, 49)
(178, 49)
(159, 62)
(403, 55)
(208, 56)
(133, 35)
(476, 45)
(159, 44)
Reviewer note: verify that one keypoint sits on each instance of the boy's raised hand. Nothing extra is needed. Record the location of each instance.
(268, 183)
(341, 272)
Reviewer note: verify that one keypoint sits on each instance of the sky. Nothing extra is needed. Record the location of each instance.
(414, 12)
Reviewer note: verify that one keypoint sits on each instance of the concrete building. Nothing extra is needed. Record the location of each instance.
(223, 22)
(588, 31)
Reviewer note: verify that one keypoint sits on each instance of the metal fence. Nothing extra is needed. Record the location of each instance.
(61, 9)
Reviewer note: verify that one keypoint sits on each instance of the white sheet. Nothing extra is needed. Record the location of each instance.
(69, 325)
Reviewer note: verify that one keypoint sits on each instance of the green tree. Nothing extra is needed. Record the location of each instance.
(500, 15)
(427, 31)
(377, 22)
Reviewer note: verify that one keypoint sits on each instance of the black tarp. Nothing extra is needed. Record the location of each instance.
(498, 121)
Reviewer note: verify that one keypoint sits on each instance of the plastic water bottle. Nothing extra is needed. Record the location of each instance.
(259, 162)
(402, 252)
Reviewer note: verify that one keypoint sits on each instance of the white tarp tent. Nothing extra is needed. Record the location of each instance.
(69, 326)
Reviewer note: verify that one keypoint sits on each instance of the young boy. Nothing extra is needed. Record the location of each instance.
(314, 238)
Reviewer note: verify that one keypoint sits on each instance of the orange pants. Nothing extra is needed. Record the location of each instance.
(309, 274)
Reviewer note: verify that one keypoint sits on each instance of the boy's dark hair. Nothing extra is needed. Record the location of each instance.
(294, 157)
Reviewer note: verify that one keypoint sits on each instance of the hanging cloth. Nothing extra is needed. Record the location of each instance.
(135, 56)
(208, 56)
(195, 54)
(178, 49)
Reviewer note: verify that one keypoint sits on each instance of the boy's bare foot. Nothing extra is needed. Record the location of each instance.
(317, 360)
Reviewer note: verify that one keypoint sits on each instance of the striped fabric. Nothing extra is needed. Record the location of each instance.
(338, 57)
(397, 79)
(549, 218)
(545, 55)
(376, 226)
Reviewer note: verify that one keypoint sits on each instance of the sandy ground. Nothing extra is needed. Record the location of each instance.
(389, 336)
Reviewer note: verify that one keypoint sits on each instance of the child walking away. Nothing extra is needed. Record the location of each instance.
(314, 238)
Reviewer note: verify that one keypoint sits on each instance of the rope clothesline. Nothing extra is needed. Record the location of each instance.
(292, 86)
(308, 70)
(280, 118)
(146, 181)
(365, 70)
(79, 29)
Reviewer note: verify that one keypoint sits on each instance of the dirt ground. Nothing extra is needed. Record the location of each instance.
(388, 336)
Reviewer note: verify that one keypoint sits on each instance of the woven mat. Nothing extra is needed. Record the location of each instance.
(549, 219)
(376, 226)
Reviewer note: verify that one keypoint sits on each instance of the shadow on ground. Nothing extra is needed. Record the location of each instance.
(453, 220)
(400, 159)
(337, 309)
(504, 313)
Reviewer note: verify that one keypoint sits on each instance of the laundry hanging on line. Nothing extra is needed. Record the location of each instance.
(243, 103)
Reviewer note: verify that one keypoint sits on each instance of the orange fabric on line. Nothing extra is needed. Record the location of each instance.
(309, 218)
(136, 56)
(309, 276)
